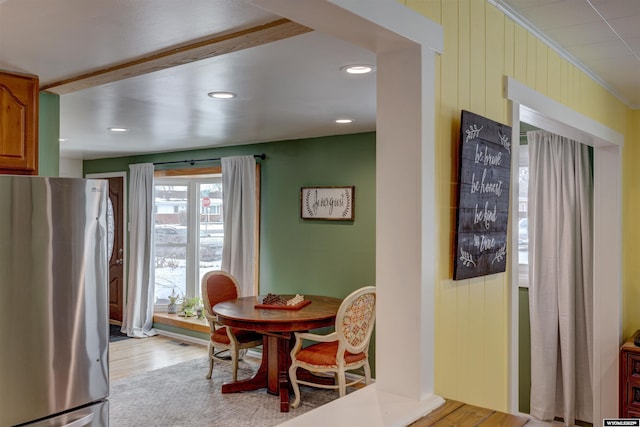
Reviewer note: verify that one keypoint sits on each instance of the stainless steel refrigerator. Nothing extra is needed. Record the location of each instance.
(53, 302)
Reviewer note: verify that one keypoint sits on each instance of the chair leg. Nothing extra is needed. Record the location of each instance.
(342, 383)
(367, 374)
(293, 379)
(211, 349)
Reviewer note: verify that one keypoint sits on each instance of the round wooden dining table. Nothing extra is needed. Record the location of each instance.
(277, 326)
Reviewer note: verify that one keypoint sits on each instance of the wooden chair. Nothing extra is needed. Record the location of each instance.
(219, 286)
(340, 351)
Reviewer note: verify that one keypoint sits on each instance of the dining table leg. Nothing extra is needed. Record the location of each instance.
(273, 349)
(283, 380)
(284, 361)
(278, 370)
(273, 373)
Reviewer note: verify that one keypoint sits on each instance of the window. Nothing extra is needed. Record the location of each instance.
(188, 238)
(188, 230)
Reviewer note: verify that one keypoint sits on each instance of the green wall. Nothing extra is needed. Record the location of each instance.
(309, 256)
(305, 256)
(329, 258)
(524, 351)
(48, 135)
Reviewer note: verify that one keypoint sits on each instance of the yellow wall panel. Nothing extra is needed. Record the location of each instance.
(494, 345)
(463, 52)
(477, 89)
(554, 75)
(446, 377)
(520, 39)
(420, 6)
(509, 56)
(532, 56)
(577, 89)
(446, 137)
(450, 63)
(599, 105)
(564, 81)
(434, 9)
(477, 334)
(541, 67)
(509, 47)
(588, 97)
(463, 328)
(494, 64)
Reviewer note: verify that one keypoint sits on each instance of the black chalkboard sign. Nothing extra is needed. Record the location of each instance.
(483, 197)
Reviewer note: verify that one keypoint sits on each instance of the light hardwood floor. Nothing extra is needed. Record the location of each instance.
(133, 356)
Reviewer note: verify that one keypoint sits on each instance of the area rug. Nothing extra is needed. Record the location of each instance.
(115, 334)
(181, 396)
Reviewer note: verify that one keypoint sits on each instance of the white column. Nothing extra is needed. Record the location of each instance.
(405, 222)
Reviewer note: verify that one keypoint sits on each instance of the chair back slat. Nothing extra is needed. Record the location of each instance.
(218, 286)
(356, 318)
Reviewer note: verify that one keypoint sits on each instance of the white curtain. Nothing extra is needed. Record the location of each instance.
(561, 277)
(138, 314)
(239, 216)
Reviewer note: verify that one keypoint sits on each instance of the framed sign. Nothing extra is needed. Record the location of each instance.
(483, 197)
(332, 203)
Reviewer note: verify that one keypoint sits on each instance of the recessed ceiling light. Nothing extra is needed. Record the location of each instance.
(63, 139)
(117, 129)
(344, 121)
(220, 94)
(358, 68)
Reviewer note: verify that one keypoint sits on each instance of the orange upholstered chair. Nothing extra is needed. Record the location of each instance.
(219, 286)
(343, 350)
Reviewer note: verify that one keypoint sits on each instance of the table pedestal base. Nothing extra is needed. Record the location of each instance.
(273, 373)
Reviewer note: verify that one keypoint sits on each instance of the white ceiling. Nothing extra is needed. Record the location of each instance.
(287, 89)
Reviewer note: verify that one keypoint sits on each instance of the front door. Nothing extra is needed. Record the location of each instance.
(116, 257)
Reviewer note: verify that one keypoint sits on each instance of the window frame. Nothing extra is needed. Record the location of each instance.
(200, 175)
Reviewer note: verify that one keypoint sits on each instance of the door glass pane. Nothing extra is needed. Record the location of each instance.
(110, 229)
(170, 231)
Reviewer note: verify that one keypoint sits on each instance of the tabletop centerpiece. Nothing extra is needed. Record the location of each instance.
(274, 301)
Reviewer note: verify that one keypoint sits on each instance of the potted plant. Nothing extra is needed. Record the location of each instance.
(172, 307)
(189, 306)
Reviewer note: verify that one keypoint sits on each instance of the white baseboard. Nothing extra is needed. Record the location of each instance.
(182, 337)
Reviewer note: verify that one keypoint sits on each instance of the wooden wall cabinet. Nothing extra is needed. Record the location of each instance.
(630, 379)
(18, 124)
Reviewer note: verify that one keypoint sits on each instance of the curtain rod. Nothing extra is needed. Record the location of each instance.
(257, 156)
